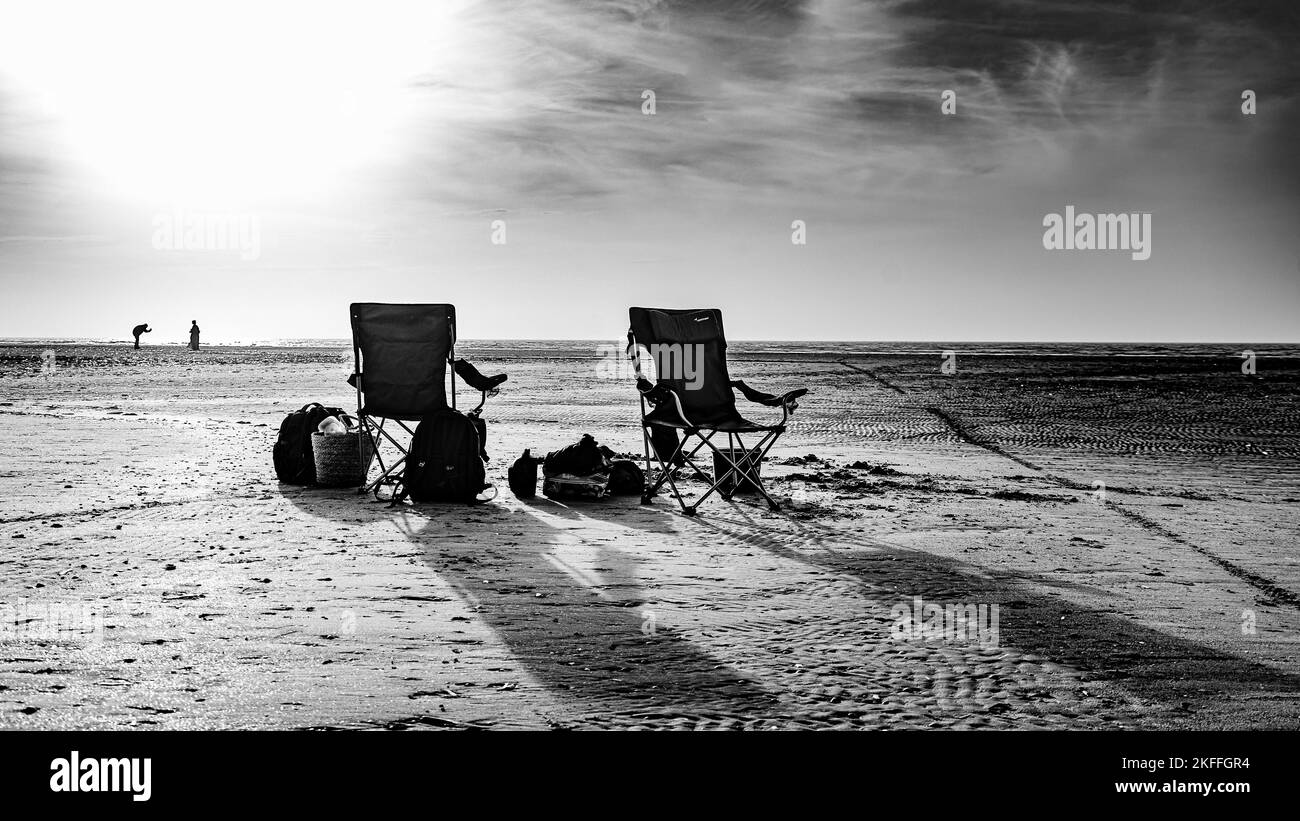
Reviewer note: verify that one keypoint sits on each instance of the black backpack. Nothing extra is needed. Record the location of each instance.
(445, 463)
(294, 463)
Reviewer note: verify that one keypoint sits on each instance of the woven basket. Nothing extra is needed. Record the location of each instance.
(341, 458)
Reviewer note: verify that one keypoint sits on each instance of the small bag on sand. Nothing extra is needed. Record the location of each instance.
(582, 458)
(342, 458)
(523, 476)
(577, 471)
(569, 486)
(626, 478)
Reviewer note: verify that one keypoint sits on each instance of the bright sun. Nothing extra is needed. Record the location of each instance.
(242, 101)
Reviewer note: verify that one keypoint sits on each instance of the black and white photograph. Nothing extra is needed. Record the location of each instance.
(686, 365)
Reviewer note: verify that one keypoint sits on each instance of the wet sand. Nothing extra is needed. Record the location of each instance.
(1134, 519)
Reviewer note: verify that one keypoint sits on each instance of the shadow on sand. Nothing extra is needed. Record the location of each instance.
(565, 599)
(568, 610)
(1180, 676)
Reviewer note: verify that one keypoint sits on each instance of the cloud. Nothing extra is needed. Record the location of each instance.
(818, 99)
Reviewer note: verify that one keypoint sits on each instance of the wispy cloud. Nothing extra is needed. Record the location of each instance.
(826, 98)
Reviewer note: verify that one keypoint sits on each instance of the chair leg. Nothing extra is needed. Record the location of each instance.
(667, 471)
(374, 452)
(765, 445)
(652, 489)
(387, 471)
(689, 510)
(716, 482)
(724, 491)
(646, 493)
(736, 467)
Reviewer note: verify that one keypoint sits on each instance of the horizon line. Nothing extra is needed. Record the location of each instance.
(19, 340)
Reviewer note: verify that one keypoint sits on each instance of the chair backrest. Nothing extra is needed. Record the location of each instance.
(402, 352)
(689, 350)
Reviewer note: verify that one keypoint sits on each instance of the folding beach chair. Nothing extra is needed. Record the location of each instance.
(692, 394)
(401, 354)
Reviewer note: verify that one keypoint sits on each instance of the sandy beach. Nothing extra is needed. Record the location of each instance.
(1134, 519)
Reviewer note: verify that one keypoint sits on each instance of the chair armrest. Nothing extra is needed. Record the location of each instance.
(658, 395)
(786, 401)
(771, 400)
(471, 376)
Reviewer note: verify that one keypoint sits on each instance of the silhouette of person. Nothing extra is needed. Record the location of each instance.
(140, 329)
(194, 335)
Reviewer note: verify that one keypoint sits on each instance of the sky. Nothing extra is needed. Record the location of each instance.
(383, 151)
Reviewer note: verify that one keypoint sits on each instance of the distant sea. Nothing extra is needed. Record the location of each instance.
(580, 348)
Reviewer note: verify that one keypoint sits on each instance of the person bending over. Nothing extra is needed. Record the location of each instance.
(140, 329)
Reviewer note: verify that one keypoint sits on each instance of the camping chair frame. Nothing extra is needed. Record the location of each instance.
(740, 461)
(373, 426)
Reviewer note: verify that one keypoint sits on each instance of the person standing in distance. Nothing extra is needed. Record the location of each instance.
(194, 335)
(140, 329)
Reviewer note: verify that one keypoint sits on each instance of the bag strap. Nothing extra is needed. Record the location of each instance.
(400, 492)
(309, 406)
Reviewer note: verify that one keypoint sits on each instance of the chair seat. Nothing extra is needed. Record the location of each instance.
(392, 413)
(737, 424)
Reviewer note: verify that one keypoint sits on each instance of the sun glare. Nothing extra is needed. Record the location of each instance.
(254, 101)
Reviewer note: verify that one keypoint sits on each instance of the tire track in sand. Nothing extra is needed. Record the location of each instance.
(1269, 587)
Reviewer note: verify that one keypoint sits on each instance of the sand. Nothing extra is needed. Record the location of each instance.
(138, 487)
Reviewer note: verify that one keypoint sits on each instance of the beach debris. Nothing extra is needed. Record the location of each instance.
(810, 459)
(875, 470)
(1022, 496)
